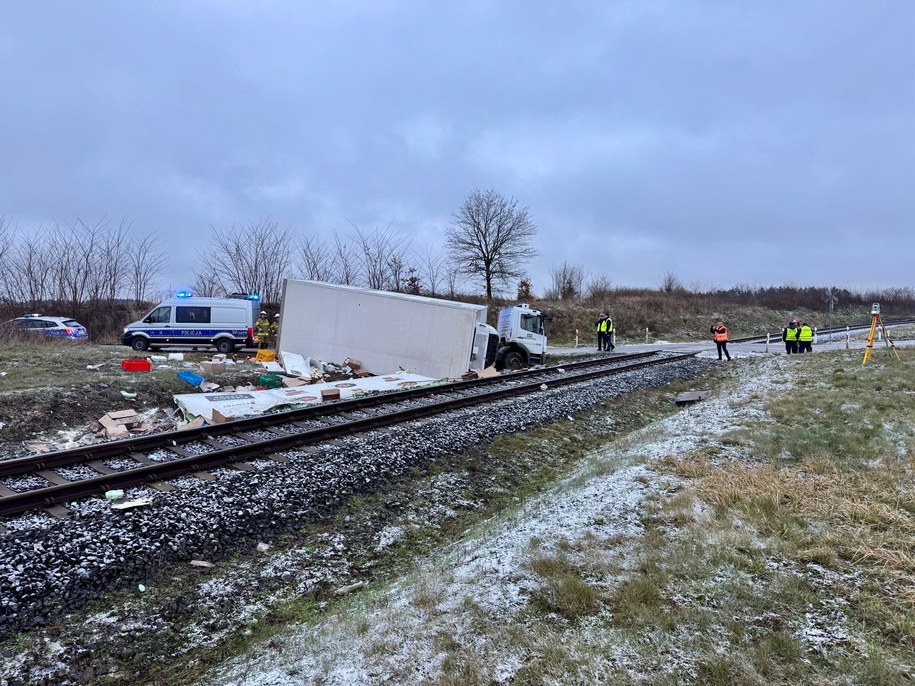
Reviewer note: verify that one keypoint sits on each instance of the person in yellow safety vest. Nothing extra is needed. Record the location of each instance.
(720, 332)
(606, 327)
(262, 328)
(805, 337)
(275, 329)
(601, 318)
(790, 334)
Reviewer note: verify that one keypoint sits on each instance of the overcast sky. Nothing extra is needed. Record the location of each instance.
(728, 142)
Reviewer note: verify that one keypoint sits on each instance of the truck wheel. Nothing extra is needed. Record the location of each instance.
(139, 344)
(514, 360)
(224, 345)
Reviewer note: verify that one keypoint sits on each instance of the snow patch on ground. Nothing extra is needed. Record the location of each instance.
(396, 635)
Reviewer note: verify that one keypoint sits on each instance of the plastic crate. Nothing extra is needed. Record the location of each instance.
(138, 365)
(269, 381)
(191, 378)
(265, 355)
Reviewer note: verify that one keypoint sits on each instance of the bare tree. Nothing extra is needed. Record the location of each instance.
(567, 281)
(490, 238)
(7, 244)
(346, 267)
(382, 257)
(146, 261)
(431, 269)
(254, 258)
(317, 262)
(452, 274)
(599, 288)
(670, 283)
(207, 285)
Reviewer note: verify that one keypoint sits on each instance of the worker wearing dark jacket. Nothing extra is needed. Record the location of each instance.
(805, 338)
(789, 336)
(720, 332)
(600, 331)
(607, 328)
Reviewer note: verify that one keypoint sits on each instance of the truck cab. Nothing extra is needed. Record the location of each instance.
(522, 337)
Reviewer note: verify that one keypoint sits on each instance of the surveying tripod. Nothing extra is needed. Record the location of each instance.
(875, 318)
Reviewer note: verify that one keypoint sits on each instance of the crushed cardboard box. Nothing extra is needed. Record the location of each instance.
(119, 424)
(295, 381)
(220, 418)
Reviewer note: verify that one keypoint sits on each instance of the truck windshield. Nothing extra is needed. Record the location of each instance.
(530, 322)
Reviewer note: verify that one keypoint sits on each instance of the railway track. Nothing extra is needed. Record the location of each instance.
(48, 480)
(821, 332)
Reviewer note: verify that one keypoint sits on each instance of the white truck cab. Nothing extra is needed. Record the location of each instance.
(522, 337)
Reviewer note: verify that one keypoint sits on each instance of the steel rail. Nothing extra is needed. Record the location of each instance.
(102, 451)
(56, 494)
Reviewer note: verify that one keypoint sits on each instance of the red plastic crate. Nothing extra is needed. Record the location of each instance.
(141, 365)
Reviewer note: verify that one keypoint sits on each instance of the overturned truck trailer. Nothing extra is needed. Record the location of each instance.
(385, 331)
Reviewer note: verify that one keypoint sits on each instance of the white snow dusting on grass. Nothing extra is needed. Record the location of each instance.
(470, 601)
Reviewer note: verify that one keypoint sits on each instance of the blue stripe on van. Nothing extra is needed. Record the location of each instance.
(188, 333)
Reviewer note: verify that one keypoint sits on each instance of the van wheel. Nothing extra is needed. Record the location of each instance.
(139, 344)
(224, 345)
(514, 360)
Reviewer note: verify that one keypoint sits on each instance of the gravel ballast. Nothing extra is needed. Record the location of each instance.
(53, 567)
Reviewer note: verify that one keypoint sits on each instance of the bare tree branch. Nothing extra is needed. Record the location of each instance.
(254, 258)
(490, 238)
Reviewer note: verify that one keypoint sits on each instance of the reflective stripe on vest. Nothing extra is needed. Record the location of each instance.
(806, 334)
(791, 333)
(721, 334)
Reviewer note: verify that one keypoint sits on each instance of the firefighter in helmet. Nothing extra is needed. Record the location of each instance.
(262, 328)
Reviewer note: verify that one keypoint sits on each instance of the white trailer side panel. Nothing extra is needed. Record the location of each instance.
(385, 331)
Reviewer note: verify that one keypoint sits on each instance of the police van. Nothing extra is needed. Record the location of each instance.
(225, 323)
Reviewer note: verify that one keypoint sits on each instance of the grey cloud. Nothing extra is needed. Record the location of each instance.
(736, 142)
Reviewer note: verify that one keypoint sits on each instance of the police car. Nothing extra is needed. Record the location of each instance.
(55, 327)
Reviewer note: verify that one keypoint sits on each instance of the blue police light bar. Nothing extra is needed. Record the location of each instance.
(253, 296)
(183, 294)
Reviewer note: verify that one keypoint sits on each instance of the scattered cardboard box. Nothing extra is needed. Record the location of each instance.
(489, 372)
(362, 373)
(220, 418)
(355, 365)
(195, 423)
(213, 367)
(120, 423)
(295, 382)
(330, 394)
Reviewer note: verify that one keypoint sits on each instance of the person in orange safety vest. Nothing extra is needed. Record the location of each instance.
(720, 332)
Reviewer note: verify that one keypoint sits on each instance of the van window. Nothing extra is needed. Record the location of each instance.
(160, 315)
(229, 315)
(192, 315)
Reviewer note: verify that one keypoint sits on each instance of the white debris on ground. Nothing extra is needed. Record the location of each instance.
(394, 636)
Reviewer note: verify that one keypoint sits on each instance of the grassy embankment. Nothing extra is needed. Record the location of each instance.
(779, 552)
(788, 557)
